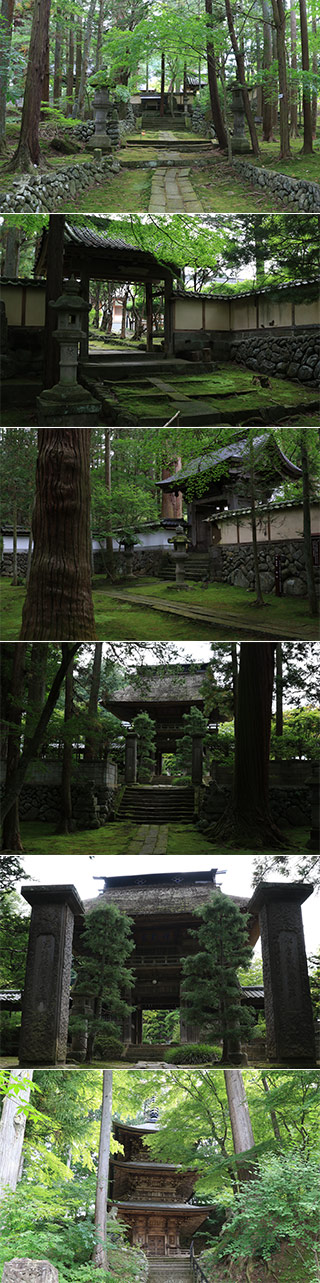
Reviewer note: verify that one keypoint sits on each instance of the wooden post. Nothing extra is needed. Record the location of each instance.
(149, 315)
(168, 328)
(85, 288)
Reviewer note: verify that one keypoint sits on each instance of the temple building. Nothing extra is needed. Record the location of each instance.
(219, 480)
(154, 1199)
(165, 697)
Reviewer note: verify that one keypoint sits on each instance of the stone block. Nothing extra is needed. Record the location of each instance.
(23, 1270)
(294, 588)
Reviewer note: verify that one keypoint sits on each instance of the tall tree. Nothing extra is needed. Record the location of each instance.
(217, 117)
(307, 539)
(17, 775)
(210, 990)
(100, 1214)
(279, 15)
(306, 92)
(79, 104)
(239, 57)
(241, 1126)
(249, 818)
(90, 745)
(59, 595)
(7, 12)
(28, 151)
(267, 124)
(66, 825)
(11, 840)
(12, 1128)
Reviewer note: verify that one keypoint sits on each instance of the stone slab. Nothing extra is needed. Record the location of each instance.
(24, 1270)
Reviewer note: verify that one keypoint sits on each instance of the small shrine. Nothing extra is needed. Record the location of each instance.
(153, 1198)
(219, 480)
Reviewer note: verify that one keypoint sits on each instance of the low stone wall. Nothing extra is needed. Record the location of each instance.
(36, 193)
(91, 806)
(289, 806)
(234, 564)
(296, 192)
(293, 353)
(146, 561)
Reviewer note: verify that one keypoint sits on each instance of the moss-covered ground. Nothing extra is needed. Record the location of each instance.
(116, 838)
(231, 394)
(231, 609)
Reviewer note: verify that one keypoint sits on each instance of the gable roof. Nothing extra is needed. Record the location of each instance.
(236, 453)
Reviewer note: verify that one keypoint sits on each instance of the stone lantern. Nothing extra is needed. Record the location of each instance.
(68, 399)
(179, 552)
(106, 135)
(240, 141)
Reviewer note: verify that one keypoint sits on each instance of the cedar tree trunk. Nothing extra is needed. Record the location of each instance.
(307, 540)
(90, 745)
(293, 87)
(59, 596)
(163, 72)
(242, 1134)
(267, 127)
(100, 1215)
(36, 687)
(306, 95)
(11, 840)
(79, 105)
(279, 690)
(217, 117)
(248, 820)
(239, 57)
(7, 11)
(14, 784)
(11, 261)
(279, 14)
(12, 1129)
(66, 798)
(28, 151)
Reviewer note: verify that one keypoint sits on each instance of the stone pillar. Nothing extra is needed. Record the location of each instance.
(288, 1010)
(314, 839)
(45, 1012)
(197, 759)
(100, 138)
(131, 755)
(24, 1270)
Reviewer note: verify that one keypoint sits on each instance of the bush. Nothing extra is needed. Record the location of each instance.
(188, 1053)
(280, 1205)
(108, 1049)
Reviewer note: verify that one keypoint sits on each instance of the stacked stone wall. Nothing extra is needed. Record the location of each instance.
(300, 194)
(50, 190)
(234, 564)
(294, 354)
(91, 807)
(289, 806)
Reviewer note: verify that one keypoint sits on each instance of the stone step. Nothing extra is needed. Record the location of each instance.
(152, 805)
(113, 369)
(171, 144)
(164, 1269)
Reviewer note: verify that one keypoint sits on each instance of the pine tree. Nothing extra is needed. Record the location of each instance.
(210, 988)
(104, 978)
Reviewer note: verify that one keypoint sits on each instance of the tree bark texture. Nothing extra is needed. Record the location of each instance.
(306, 95)
(12, 1129)
(163, 72)
(7, 12)
(217, 117)
(80, 100)
(36, 687)
(14, 784)
(100, 1217)
(279, 14)
(28, 150)
(307, 540)
(267, 126)
(11, 840)
(11, 261)
(59, 596)
(251, 783)
(90, 746)
(239, 57)
(279, 690)
(242, 1133)
(66, 798)
(293, 89)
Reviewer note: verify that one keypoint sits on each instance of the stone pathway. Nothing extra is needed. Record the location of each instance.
(171, 190)
(151, 839)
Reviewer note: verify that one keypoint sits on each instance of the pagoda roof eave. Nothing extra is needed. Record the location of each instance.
(151, 1166)
(235, 455)
(191, 1209)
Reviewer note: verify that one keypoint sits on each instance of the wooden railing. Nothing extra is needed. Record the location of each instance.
(197, 1270)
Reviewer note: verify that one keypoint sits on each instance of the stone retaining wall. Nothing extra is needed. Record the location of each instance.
(91, 806)
(289, 806)
(145, 561)
(234, 564)
(293, 353)
(48, 191)
(296, 192)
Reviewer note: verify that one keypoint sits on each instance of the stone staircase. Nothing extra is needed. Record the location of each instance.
(111, 366)
(196, 567)
(152, 804)
(162, 1269)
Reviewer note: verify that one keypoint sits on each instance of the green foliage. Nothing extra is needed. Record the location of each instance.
(192, 1054)
(104, 976)
(264, 1213)
(194, 723)
(210, 988)
(145, 728)
(161, 1026)
(13, 941)
(300, 739)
